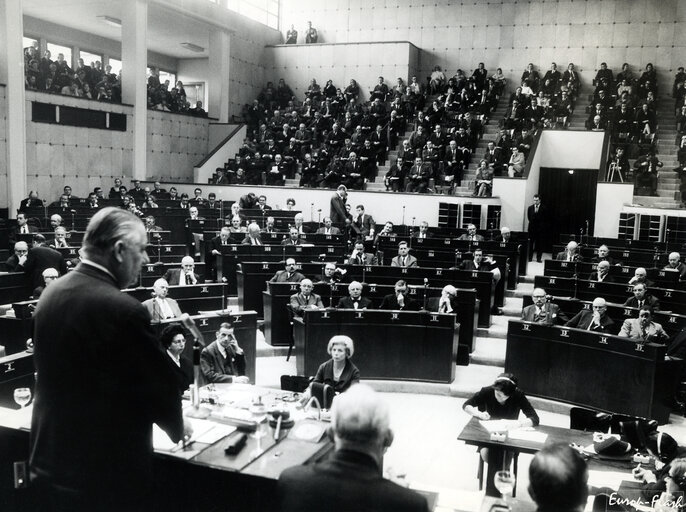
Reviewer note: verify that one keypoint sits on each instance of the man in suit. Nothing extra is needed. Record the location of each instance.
(558, 479)
(22, 228)
(387, 230)
(603, 255)
(223, 360)
(571, 253)
(299, 224)
(338, 213)
(399, 300)
(223, 239)
(60, 239)
(289, 275)
(332, 275)
(85, 437)
(30, 201)
(641, 276)
(642, 298)
(184, 276)
(305, 299)
(602, 274)
(351, 479)
(596, 320)
(446, 303)
(423, 230)
(15, 263)
(253, 236)
(40, 257)
(328, 229)
(418, 176)
(363, 224)
(293, 237)
(480, 264)
(643, 329)
(471, 234)
(354, 300)
(360, 257)
(160, 306)
(675, 264)
(403, 259)
(493, 157)
(543, 312)
(537, 216)
(505, 235)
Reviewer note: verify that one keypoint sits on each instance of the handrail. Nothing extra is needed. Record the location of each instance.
(534, 147)
(604, 155)
(219, 146)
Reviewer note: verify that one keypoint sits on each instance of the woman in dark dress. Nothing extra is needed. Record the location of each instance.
(173, 339)
(502, 401)
(338, 372)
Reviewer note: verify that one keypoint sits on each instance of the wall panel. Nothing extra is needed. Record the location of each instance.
(3, 148)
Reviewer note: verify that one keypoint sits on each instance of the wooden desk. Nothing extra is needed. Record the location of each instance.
(662, 278)
(388, 344)
(14, 287)
(277, 329)
(590, 369)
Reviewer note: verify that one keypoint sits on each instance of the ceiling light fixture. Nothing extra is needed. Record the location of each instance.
(193, 47)
(110, 20)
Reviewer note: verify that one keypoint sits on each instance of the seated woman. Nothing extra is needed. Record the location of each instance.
(483, 181)
(173, 340)
(339, 372)
(501, 401)
(666, 484)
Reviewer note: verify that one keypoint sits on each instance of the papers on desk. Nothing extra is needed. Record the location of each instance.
(611, 479)
(204, 432)
(514, 431)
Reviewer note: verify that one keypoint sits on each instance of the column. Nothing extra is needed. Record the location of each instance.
(12, 74)
(218, 73)
(134, 53)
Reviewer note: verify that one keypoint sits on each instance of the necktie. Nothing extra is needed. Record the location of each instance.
(640, 303)
(538, 312)
(189, 280)
(359, 259)
(536, 209)
(403, 261)
(24, 230)
(643, 332)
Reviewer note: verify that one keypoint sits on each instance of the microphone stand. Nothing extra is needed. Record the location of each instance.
(403, 221)
(319, 217)
(330, 295)
(364, 272)
(224, 281)
(497, 219)
(140, 278)
(457, 252)
(311, 211)
(492, 231)
(45, 211)
(73, 220)
(196, 411)
(159, 251)
(426, 284)
(656, 257)
(220, 220)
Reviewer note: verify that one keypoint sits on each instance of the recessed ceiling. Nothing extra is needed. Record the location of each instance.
(167, 29)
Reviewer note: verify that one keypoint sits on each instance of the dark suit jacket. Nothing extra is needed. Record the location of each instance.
(14, 233)
(12, 264)
(347, 481)
(550, 315)
(648, 300)
(103, 382)
(334, 231)
(173, 276)
(465, 236)
(183, 373)
(217, 369)
(247, 240)
(299, 303)
(390, 301)
(281, 276)
(337, 213)
(40, 258)
(562, 256)
(347, 303)
(364, 225)
(608, 278)
(537, 221)
(583, 319)
(410, 262)
(216, 243)
(349, 376)
(367, 259)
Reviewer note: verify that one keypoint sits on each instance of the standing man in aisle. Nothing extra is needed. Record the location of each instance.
(338, 213)
(102, 379)
(537, 214)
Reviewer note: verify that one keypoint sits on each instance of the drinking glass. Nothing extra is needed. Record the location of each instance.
(504, 481)
(22, 396)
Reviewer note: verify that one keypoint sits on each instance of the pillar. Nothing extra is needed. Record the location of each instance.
(134, 30)
(12, 74)
(218, 72)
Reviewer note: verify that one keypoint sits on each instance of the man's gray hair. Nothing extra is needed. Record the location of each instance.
(107, 227)
(360, 415)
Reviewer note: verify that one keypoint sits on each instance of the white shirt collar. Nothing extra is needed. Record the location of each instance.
(174, 358)
(222, 350)
(98, 266)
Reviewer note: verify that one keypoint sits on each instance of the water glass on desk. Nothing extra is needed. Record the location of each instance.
(22, 396)
(504, 481)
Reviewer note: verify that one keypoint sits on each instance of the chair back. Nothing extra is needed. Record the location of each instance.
(324, 394)
(589, 420)
(295, 383)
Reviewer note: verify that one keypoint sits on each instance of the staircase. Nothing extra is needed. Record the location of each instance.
(666, 151)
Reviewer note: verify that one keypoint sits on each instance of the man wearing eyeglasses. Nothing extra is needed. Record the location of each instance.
(541, 311)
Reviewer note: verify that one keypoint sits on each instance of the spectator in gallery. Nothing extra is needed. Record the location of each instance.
(292, 35)
(311, 35)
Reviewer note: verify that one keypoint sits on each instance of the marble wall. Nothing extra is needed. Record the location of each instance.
(510, 33)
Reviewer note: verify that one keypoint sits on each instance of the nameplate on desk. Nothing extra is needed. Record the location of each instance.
(205, 289)
(72, 251)
(9, 367)
(359, 314)
(367, 269)
(526, 327)
(564, 264)
(267, 248)
(298, 248)
(626, 254)
(203, 322)
(503, 244)
(431, 254)
(625, 270)
(564, 333)
(330, 249)
(265, 266)
(294, 287)
(403, 270)
(394, 316)
(413, 291)
(591, 284)
(551, 280)
(446, 241)
(603, 340)
(639, 347)
(391, 238)
(475, 275)
(150, 268)
(234, 248)
(672, 319)
(439, 271)
(627, 312)
(434, 318)
(661, 273)
(668, 293)
(594, 266)
(325, 314)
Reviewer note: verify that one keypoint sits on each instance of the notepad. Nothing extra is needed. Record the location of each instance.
(530, 435)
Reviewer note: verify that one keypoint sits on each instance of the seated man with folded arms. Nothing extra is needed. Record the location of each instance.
(160, 306)
(446, 303)
(642, 298)
(542, 311)
(643, 329)
(305, 299)
(354, 299)
(223, 360)
(60, 239)
(184, 276)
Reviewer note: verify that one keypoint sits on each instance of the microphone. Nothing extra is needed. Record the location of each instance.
(190, 324)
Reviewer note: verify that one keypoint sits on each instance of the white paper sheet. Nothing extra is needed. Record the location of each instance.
(611, 479)
(498, 425)
(525, 434)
